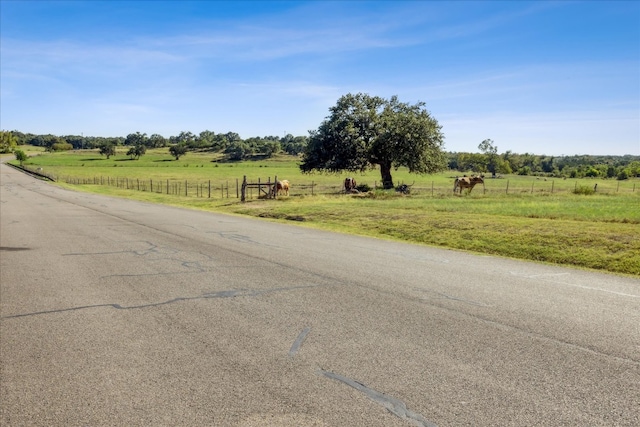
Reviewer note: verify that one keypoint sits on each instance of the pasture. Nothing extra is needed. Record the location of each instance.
(521, 217)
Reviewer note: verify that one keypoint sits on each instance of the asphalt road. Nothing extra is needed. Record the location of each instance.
(121, 313)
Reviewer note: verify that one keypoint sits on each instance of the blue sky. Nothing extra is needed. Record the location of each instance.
(537, 77)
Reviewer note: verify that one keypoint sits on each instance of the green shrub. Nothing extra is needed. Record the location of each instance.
(584, 189)
(20, 156)
(61, 146)
(622, 175)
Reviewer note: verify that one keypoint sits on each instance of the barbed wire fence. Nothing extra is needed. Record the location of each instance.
(228, 189)
(232, 189)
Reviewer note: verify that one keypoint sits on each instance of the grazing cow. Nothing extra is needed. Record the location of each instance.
(350, 185)
(404, 189)
(467, 182)
(281, 187)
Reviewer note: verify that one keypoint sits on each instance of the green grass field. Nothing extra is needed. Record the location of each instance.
(521, 217)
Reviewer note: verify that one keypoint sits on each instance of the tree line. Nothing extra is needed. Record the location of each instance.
(361, 132)
(234, 148)
(577, 166)
(230, 143)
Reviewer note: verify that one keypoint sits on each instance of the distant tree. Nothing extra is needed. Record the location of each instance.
(206, 139)
(20, 156)
(634, 168)
(237, 150)
(156, 141)
(56, 143)
(270, 147)
(222, 141)
(21, 138)
(185, 138)
(61, 145)
(592, 172)
(364, 131)
(48, 141)
(474, 162)
(547, 164)
(178, 150)
(136, 139)
(524, 170)
(136, 151)
(294, 145)
(8, 142)
(622, 175)
(99, 141)
(76, 141)
(267, 146)
(108, 150)
(504, 167)
(35, 140)
(490, 151)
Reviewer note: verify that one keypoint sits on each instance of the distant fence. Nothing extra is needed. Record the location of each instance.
(535, 186)
(258, 188)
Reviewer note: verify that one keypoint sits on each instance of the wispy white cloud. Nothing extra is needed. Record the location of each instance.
(282, 71)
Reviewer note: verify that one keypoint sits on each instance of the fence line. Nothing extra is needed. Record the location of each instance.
(222, 190)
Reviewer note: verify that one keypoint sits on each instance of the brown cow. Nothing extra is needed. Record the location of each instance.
(350, 185)
(281, 187)
(467, 182)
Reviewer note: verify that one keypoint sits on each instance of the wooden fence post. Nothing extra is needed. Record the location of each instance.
(275, 185)
(244, 189)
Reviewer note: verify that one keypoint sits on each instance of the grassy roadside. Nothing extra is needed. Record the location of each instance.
(612, 245)
(598, 231)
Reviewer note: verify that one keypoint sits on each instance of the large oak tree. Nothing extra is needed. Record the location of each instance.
(364, 131)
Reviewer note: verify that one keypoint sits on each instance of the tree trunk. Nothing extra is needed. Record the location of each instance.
(385, 173)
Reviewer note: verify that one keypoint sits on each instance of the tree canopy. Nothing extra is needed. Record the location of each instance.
(178, 150)
(21, 156)
(108, 150)
(233, 147)
(136, 151)
(363, 131)
(490, 151)
(8, 142)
